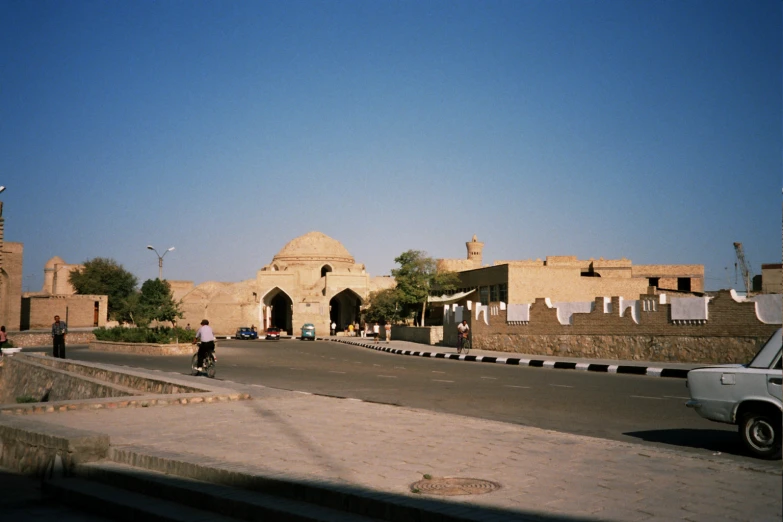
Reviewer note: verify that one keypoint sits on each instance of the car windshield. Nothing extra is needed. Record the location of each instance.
(768, 352)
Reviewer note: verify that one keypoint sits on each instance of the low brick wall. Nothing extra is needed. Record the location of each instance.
(416, 334)
(27, 339)
(144, 348)
(708, 349)
(35, 448)
(48, 379)
(133, 382)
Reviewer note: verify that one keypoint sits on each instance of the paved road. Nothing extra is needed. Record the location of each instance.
(638, 409)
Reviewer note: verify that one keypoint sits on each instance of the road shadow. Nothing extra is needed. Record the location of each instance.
(711, 440)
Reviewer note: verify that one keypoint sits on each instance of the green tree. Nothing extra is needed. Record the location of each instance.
(156, 303)
(417, 275)
(383, 306)
(104, 276)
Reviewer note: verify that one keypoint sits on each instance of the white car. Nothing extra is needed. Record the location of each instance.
(748, 395)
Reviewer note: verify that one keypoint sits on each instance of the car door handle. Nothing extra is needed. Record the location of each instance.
(776, 380)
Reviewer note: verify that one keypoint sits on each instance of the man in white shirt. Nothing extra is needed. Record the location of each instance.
(207, 342)
(462, 332)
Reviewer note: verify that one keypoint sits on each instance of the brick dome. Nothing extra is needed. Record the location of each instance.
(314, 246)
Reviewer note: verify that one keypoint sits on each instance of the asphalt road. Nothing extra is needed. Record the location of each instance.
(639, 409)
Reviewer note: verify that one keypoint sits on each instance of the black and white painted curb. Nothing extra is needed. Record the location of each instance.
(678, 373)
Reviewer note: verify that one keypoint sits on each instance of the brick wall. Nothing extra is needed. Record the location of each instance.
(733, 333)
(80, 309)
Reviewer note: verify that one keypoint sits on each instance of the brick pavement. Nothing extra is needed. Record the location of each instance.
(387, 448)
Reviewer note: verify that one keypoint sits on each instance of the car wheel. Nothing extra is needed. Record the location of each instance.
(760, 433)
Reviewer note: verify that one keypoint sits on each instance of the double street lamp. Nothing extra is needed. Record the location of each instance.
(160, 259)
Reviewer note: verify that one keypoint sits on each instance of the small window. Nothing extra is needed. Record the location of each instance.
(503, 289)
(493, 294)
(653, 281)
(684, 284)
(484, 294)
(325, 270)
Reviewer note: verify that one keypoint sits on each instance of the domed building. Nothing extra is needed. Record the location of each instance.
(312, 279)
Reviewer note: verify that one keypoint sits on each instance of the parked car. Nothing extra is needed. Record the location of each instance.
(308, 331)
(748, 395)
(273, 333)
(245, 332)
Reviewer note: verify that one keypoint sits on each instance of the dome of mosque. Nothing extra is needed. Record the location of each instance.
(314, 246)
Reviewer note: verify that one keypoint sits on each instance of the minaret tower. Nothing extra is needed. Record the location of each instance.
(475, 250)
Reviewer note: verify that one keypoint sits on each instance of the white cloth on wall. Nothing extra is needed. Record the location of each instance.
(633, 305)
(518, 312)
(482, 309)
(769, 308)
(458, 314)
(566, 310)
(689, 308)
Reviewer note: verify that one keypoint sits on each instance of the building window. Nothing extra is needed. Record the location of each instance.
(684, 284)
(493, 294)
(484, 294)
(653, 281)
(503, 290)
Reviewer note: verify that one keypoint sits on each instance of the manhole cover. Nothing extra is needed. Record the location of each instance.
(447, 486)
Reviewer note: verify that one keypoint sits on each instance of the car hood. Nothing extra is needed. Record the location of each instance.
(719, 366)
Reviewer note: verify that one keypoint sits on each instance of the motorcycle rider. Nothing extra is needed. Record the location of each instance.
(207, 344)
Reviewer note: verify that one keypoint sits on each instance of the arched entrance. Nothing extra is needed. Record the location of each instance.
(278, 310)
(344, 308)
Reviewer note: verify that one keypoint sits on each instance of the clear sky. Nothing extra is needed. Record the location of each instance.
(644, 129)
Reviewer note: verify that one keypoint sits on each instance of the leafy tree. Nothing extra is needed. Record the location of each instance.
(104, 276)
(384, 305)
(417, 276)
(156, 303)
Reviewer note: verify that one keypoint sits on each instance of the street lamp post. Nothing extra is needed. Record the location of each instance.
(160, 259)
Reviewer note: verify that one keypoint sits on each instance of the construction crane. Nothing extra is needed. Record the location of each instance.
(747, 275)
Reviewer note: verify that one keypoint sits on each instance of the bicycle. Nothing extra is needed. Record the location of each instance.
(465, 345)
(208, 365)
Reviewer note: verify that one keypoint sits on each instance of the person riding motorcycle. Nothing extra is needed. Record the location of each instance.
(206, 344)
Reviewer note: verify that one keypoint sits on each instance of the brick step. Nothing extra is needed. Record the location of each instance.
(118, 504)
(325, 494)
(133, 492)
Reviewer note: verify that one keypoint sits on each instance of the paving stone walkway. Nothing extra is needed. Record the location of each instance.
(388, 448)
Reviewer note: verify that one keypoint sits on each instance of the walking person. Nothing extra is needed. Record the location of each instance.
(3, 339)
(59, 329)
(376, 331)
(388, 331)
(334, 328)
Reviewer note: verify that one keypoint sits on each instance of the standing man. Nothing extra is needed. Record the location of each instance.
(388, 331)
(462, 333)
(59, 329)
(207, 344)
(334, 328)
(376, 331)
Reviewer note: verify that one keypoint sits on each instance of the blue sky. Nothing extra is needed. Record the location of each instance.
(649, 130)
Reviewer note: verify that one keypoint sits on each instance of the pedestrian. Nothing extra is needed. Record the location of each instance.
(59, 329)
(188, 328)
(3, 338)
(376, 331)
(356, 328)
(388, 331)
(350, 330)
(364, 329)
(334, 328)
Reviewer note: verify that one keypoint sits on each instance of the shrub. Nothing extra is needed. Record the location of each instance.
(25, 399)
(160, 335)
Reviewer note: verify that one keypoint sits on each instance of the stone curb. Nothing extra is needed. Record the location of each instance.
(629, 369)
(114, 404)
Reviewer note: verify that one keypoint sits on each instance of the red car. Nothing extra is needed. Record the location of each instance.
(273, 333)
